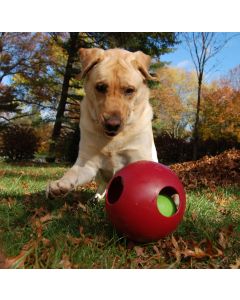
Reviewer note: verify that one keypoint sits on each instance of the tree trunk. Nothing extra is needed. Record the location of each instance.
(196, 125)
(72, 50)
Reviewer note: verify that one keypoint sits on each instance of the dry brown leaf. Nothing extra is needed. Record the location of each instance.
(199, 253)
(87, 241)
(236, 265)
(222, 169)
(155, 248)
(176, 251)
(139, 251)
(74, 240)
(11, 202)
(174, 242)
(19, 260)
(65, 262)
(188, 252)
(83, 207)
(223, 240)
(46, 242)
(194, 216)
(46, 218)
(39, 228)
(81, 229)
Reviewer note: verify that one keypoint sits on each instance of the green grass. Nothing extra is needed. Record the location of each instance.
(73, 232)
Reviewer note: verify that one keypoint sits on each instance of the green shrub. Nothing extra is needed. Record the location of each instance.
(171, 150)
(68, 145)
(19, 142)
(176, 150)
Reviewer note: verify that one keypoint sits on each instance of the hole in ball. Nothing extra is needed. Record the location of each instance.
(168, 201)
(115, 189)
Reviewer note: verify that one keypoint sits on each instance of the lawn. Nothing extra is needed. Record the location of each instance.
(74, 232)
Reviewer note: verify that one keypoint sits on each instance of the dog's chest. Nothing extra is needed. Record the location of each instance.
(113, 160)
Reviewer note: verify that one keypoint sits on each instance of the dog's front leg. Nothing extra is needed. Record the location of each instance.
(77, 175)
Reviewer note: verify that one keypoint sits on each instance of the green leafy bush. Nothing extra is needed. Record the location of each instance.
(176, 150)
(18, 142)
(68, 145)
(171, 150)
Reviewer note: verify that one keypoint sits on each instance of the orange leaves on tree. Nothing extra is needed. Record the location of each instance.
(170, 100)
(220, 113)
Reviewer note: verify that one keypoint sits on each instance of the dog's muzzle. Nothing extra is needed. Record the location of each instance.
(111, 124)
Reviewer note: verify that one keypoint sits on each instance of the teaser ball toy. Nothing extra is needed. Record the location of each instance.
(145, 201)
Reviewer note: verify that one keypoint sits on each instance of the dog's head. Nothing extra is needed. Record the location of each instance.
(115, 83)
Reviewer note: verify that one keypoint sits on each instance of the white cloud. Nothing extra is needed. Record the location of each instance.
(185, 64)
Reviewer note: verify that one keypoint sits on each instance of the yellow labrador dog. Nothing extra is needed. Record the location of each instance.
(115, 120)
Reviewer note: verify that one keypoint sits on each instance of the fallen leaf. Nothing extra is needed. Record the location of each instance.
(222, 240)
(139, 251)
(236, 265)
(83, 207)
(87, 241)
(81, 229)
(199, 253)
(38, 227)
(46, 242)
(188, 252)
(46, 218)
(155, 248)
(194, 216)
(210, 172)
(19, 260)
(174, 242)
(176, 251)
(74, 240)
(65, 262)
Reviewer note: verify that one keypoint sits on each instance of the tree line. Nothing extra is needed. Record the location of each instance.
(38, 87)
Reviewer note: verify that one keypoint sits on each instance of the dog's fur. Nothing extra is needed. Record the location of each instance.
(115, 118)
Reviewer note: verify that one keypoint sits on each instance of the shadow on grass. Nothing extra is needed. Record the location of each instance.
(77, 210)
(36, 177)
(214, 221)
(20, 164)
(79, 227)
(74, 215)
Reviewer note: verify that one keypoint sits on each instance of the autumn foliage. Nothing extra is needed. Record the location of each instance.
(171, 101)
(210, 172)
(220, 116)
(174, 101)
(38, 78)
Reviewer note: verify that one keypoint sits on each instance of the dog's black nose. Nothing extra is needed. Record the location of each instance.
(112, 124)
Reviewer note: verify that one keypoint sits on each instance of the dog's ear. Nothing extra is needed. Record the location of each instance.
(89, 58)
(142, 63)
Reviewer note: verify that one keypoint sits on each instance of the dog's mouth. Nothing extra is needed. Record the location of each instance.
(111, 131)
(110, 134)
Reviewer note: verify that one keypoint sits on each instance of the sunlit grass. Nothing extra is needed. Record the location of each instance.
(73, 232)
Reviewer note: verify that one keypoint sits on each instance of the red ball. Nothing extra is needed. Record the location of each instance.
(131, 201)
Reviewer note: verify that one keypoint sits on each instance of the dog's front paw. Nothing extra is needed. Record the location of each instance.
(59, 188)
(100, 197)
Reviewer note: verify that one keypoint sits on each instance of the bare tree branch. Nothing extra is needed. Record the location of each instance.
(202, 48)
(17, 117)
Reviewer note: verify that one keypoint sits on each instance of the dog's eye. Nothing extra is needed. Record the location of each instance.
(101, 88)
(129, 91)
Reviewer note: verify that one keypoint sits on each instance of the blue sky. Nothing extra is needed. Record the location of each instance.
(228, 58)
